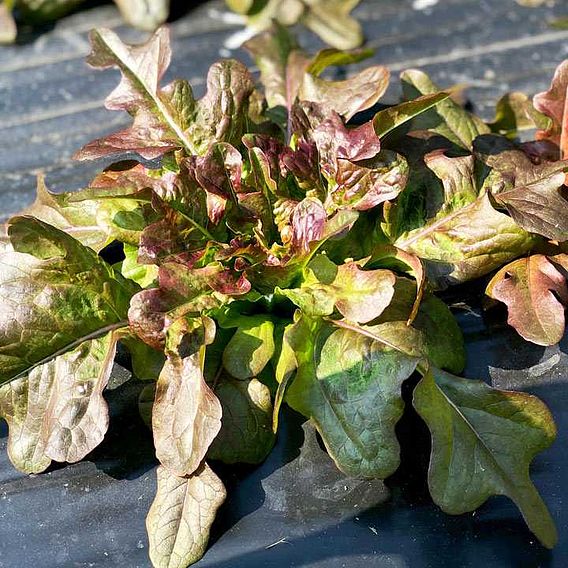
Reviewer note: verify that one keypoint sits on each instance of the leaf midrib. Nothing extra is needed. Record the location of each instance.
(510, 486)
(434, 226)
(69, 347)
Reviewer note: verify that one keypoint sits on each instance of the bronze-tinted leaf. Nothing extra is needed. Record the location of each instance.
(554, 104)
(167, 118)
(389, 256)
(55, 294)
(181, 516)
(182, 290)
(222, 115)
(350, 96)
(535, 293)
(57, 411)
(186, 415)
(530, 192)
(468, 243)
(158, 123)
(282, 65)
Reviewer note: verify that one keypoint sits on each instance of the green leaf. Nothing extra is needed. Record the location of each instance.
(286, 363)
(349, 386)
(144, 275)
(57, 411)
(330, 19)
(181, 516)
(245, 6)
(359, 295)
(55, 294)
(331, 57)
(447, 118)
(512, 114)
(146, 402)
(246, 426)
(8, 29)
(458, 179)
(466, 244)
(386, 120)
(442, 338)
(147, 362)
(76, 219)
(251, 347)
(144, 17)
(397, 335)
(483, 441)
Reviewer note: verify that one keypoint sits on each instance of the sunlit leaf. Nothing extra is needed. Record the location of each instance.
(181, 516)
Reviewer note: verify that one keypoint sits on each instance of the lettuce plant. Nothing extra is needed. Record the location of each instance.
(280, 246)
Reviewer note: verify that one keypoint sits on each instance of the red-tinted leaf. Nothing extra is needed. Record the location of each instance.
(160, 116)
(554, 104)
(308, 221)
(182, 290)
(219, 174)
(535, 293)
(363, 185)
(337, 142)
